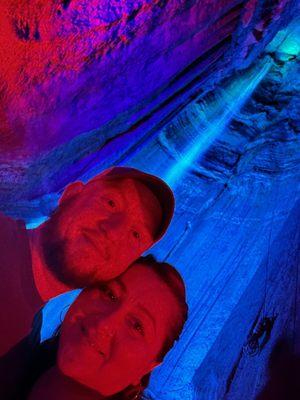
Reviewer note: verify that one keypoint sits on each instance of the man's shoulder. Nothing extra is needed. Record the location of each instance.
(14, 241)
(8, 224)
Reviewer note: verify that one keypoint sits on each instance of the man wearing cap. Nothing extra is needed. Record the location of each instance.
(96, 232)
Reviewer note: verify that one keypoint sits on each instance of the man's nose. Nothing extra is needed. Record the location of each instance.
(114, 225)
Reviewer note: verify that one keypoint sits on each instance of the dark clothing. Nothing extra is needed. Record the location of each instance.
(40, 359)
(17, 363)
(25, 363)
(21, 368)
(14, 371)
(19, 302)
(19, 298)
(22, 358)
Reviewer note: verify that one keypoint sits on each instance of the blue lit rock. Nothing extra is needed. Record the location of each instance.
(235, 235)
(75, 78)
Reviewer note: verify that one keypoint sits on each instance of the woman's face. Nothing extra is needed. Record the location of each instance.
(112, 334)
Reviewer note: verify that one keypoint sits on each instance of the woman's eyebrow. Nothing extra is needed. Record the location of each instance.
(149, 315)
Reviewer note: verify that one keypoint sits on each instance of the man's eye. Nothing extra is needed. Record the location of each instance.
(111, 203)
(136, 234)
(138, 327)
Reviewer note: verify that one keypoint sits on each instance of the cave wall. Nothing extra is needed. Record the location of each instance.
(80, 92)
(77, 75)
(235, 236)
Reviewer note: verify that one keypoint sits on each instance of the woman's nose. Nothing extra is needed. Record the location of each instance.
(109, 321)
(107, 327)
(105, 331)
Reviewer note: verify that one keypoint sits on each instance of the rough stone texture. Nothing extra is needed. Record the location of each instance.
(71, 67)
(235, 238)
(76, 97)
(235, 235)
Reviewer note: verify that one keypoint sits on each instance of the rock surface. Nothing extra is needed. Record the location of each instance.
(235, 235)
(100, 68)
(235, 238)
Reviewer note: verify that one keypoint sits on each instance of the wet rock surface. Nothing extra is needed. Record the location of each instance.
(71, 67)
(235, 235)
(235, 239)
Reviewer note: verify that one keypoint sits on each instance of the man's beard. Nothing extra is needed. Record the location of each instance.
(55, 253)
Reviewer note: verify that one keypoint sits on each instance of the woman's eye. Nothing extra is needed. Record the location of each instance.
(108, 293)
(111, 296)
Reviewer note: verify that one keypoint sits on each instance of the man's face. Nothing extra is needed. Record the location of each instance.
(98, 232)
(112, 334)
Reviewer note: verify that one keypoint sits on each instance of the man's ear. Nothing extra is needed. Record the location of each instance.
(70, 191)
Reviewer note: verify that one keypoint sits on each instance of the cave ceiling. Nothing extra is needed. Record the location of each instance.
(83, 82)
(205, 94)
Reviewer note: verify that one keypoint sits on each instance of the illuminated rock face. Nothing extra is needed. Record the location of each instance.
(69, 67)
(71, 80)
(235, 236)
